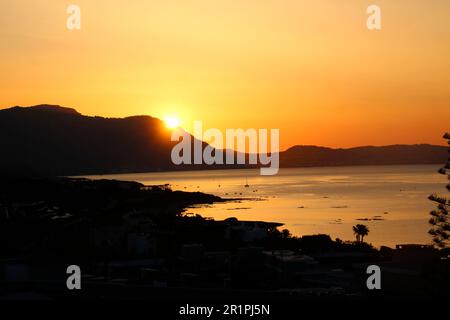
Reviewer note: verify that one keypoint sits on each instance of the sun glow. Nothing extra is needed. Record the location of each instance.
(172, 122)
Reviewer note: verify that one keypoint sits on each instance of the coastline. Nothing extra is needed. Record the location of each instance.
(311, 200)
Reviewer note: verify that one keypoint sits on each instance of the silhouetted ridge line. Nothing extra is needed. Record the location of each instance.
(55, 140)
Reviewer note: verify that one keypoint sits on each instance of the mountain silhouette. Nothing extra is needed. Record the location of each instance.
(307, 156)
(54, 140)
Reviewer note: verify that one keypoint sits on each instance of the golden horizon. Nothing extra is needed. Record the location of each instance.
(309, 68)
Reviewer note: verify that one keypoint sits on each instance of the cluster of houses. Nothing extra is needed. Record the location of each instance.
(136, 260)
(139, 243)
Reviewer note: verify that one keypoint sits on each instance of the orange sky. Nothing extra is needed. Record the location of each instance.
(310, 68)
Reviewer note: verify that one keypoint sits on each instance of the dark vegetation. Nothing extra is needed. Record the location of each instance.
(439, 220)
(53, 216)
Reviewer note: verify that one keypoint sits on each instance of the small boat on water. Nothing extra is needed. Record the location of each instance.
(246, 183)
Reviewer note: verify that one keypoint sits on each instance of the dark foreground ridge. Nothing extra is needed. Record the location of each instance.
(139, 242)
(53, 140)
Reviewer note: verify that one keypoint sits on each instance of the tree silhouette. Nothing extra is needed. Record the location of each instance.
(440, 230)
(286, 234)
(360, 231)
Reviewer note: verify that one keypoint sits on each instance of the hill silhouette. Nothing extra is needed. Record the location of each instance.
(54, 140)
(60, 141)
(306, 156)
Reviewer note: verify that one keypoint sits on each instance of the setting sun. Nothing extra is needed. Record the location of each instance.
(172, 122)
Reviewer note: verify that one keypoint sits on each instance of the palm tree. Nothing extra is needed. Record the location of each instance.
(360, 231)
